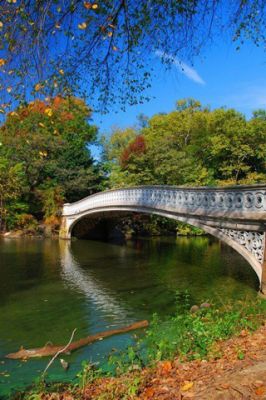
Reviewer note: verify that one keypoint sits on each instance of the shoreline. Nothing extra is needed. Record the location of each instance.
(203, 353)
(239, 370)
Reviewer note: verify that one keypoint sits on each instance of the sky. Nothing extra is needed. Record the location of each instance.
(220, 76)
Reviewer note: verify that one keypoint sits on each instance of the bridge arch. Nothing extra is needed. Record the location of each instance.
(237, 215)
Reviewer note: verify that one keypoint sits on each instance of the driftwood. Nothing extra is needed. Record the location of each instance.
(50, 350)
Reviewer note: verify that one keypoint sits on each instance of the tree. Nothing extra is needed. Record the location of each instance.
(12, 180)
(193, 146)
(49, 140)
(105, 47)
(236, 147)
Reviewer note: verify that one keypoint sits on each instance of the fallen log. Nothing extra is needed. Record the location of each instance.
(50, 350)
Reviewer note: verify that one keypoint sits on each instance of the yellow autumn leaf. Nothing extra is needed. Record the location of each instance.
(2, 111)
(1, 25)
(2, 62)
(14, 114)
(41, 125)
(115, 48)
(188, 385)
(61, 72)
(94, 6)
(55, 132)
(82, 26)
(9, 89)
(49, 112)
(110, 34)
(57, 25)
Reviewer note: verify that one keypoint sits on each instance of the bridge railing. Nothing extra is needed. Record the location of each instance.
(247, 202)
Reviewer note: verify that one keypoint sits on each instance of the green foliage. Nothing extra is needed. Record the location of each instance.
(52, 199)
(192, 335)
(191, 146)
(46, 145)
(195, 146)
(87, 375)
(12, 183)
(26, 222)
(186, 230)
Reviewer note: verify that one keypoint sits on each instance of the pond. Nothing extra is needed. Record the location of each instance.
(49, 287)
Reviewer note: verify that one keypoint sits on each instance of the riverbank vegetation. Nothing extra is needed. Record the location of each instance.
(45, 161)
(180, 344)
(45, 158)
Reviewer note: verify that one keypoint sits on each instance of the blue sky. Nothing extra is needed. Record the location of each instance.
(220, 76)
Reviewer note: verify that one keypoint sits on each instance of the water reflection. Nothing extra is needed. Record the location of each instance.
(83, 281)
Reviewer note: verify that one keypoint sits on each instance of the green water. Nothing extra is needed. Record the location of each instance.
(48, 288)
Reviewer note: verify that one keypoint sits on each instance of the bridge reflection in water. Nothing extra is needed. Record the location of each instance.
(87, 284)
(236, 215)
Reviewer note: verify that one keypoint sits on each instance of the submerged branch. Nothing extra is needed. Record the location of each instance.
(50, 350)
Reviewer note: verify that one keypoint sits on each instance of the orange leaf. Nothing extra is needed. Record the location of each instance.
(149, 393)
(166, 367)
(87, 5)
(2, 62)
(260, 391)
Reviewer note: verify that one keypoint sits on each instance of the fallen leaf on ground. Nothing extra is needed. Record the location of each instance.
(260, 391)
(187, 386)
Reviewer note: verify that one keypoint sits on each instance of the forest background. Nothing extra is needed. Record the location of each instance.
(46, 160)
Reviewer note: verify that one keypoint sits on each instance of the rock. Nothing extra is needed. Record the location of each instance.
(205, 305)
(194, 308)
(64, 364)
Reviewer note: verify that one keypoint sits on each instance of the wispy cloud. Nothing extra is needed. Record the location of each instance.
(247, 96)
(185, 69)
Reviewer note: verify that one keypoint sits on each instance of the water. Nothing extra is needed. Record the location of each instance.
(48, 288)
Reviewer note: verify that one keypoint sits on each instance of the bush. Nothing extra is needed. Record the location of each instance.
(26, 222)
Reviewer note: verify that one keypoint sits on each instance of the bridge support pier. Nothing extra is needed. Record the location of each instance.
(64, 232)
(263, 275)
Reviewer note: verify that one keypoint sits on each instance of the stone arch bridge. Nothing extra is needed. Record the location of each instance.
(236, 215)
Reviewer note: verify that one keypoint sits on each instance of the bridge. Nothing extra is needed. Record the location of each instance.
(236, 215)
